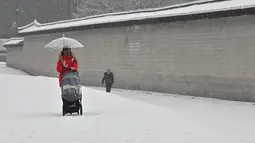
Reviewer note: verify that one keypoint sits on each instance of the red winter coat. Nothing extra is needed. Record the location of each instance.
(71, 62)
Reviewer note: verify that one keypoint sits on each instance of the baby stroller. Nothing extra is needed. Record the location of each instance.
(71, 93)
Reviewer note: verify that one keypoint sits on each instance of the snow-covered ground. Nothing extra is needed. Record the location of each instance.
(5, 70)
(31, 112)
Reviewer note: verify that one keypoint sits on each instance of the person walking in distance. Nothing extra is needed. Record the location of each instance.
(108, 79)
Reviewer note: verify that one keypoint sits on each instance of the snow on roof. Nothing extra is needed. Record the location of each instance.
(2, 48)
(14, 41)
(36, 23)
(202, 6)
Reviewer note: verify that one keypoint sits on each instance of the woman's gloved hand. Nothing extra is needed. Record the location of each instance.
(64, 64)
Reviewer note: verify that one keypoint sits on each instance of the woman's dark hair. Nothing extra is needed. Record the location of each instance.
(66, 48)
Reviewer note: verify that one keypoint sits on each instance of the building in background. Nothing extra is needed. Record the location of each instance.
(201, 49)
(54, 10)
(2, 51)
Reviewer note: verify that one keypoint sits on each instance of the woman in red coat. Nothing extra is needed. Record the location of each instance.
(66, 63)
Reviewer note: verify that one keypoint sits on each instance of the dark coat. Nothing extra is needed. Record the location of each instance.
(108, 78)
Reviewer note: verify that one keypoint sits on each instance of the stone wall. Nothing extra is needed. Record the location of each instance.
(2, 57)
(206, 57)
(2, 51)
(15, 57)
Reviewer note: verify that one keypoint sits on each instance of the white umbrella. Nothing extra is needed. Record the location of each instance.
(59, 43)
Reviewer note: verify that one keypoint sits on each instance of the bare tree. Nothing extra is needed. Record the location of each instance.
(86, 7)
(91, 7)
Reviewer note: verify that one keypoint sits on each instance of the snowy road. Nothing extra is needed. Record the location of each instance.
(31, 112)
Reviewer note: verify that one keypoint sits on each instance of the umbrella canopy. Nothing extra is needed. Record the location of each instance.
(59, 43)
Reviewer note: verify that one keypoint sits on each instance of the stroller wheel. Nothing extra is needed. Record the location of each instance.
(81, 110)
(63, 111)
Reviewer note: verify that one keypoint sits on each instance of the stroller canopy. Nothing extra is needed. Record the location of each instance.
(71, 87)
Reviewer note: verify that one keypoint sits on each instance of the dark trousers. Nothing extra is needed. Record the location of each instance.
(108, 88)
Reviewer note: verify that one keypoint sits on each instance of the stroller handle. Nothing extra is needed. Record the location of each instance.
(74, 71)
